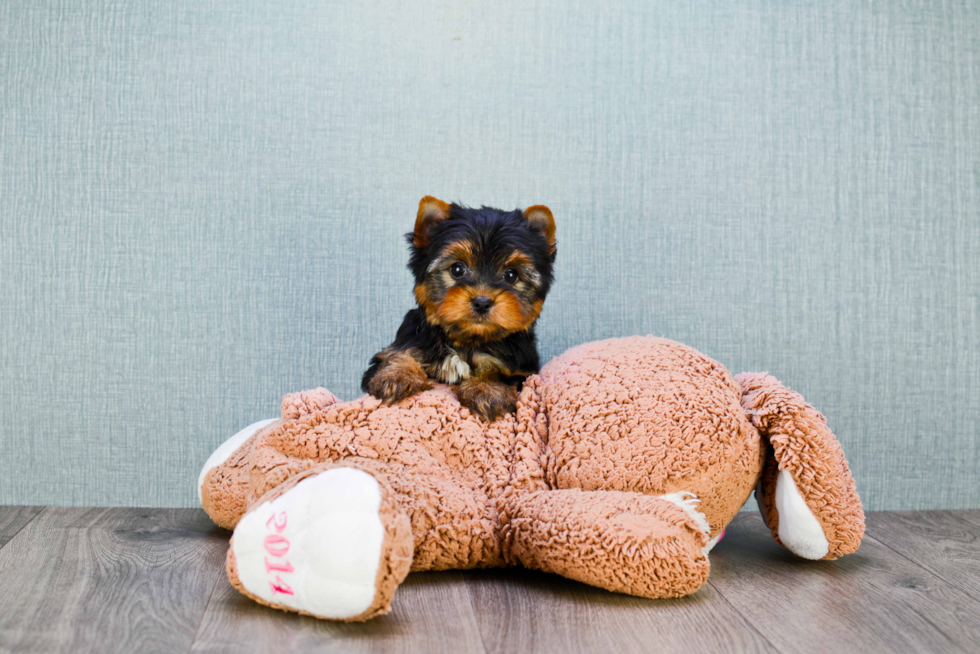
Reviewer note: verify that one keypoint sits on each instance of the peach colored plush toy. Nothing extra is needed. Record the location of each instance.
(623, 464)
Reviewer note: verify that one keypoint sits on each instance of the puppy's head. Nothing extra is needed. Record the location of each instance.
(481, 274)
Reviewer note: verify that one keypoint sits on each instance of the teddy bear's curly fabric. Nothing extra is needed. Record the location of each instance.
(623, 463)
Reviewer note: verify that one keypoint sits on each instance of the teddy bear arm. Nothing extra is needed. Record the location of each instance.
(223, 483)
(624, 542)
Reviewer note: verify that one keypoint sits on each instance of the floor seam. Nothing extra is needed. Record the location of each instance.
(23, 526)
(476, 621)
(935, 574)
(744, 617)
(204, 612)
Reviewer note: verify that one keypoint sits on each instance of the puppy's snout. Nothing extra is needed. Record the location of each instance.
(481, 304)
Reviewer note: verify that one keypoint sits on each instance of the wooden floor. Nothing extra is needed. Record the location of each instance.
(141, 580)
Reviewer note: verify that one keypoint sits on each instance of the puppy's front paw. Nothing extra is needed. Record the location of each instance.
(489, 400)
(399, 377)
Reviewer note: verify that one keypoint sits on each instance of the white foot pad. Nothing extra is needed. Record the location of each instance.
(228, 448)
(317, 547)
(689, 502)
(799, 529)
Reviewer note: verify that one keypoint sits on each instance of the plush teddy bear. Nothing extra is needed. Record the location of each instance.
(621, 467)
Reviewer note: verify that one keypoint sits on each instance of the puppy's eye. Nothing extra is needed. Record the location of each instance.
(457, 270)
(511, 276)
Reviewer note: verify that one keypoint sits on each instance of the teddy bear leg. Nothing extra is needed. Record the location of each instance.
(806, 494)
(331, 542)
(623, 542)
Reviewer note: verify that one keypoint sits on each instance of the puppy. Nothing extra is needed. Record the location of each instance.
(481, 278)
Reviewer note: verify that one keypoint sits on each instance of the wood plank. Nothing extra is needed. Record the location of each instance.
(108, 580)
(946, 543)
(873, 600)
(527, 611)
(431, 613)
(13, 519)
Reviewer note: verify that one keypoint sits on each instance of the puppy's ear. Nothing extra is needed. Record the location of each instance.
(539, 217)
(432, 211)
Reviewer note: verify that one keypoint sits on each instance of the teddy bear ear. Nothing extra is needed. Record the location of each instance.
(539, 217)
(432, 211)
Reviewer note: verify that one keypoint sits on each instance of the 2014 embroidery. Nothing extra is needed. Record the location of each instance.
(277, 546)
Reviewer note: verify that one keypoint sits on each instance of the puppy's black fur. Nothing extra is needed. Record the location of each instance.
(481, 278)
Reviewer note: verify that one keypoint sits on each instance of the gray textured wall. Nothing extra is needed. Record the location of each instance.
(201, 209)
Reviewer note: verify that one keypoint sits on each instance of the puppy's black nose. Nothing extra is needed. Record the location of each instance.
(481, 304)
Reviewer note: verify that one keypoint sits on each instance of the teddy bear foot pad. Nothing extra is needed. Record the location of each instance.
(799, 530)
(316, 548)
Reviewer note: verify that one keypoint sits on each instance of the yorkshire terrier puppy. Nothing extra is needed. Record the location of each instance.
(481, 277)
